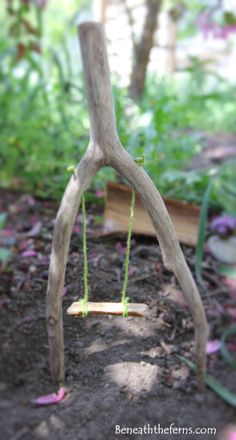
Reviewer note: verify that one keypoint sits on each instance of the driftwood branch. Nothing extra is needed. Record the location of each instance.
(105, 149)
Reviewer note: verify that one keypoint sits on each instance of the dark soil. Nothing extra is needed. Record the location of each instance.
(119, 371)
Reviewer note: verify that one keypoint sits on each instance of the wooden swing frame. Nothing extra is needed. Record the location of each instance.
(105, 149)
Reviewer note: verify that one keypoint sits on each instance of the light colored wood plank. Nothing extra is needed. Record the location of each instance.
(185, 216)
(108, 308)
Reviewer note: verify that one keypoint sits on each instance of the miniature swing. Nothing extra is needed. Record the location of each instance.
(105, 149)
(83, 307)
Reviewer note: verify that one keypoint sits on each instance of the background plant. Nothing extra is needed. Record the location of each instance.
(44, 120)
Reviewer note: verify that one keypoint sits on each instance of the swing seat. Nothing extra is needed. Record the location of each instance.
(108, 308)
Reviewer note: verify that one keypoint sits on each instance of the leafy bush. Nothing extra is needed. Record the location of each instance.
(45, 126)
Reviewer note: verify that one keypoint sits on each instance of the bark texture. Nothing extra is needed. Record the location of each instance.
(105, 149)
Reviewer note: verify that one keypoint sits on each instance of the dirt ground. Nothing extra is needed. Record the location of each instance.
(119, 371)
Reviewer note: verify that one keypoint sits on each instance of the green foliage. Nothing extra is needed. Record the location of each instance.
(212, 383)
(202, 233)
(4, 253)
(228, 357)
(45, 127)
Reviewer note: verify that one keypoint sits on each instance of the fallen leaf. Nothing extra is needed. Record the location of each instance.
(35, 230)
(172, 293)
(166, 347)
(49, 399)
(213, 346)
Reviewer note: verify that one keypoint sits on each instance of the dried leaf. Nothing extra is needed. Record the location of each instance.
(35, 231)
(174, 294)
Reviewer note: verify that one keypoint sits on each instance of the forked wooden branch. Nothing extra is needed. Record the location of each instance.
(105, 149)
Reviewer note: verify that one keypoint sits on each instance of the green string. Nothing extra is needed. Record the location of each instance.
(124, 298)
(84, 301)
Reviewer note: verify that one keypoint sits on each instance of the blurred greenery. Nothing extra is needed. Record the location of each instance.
(45, 127)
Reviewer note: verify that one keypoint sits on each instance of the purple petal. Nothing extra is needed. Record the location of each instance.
(223, 224)
(25, 244)
(100, 194)
(29, 253)
(213, 346)
(36, 229)
(231, 434)
(49, 399)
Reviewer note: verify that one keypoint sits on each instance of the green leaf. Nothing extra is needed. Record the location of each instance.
(71, 168)
(212, 383)
(229, 18)
(98, 219)
(229, 359)
(228, 271)
(3, 217)
(202, 233)
(4, 255)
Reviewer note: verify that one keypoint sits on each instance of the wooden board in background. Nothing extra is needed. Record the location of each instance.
(185, 216)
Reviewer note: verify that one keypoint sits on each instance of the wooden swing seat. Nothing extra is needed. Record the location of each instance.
(108, 308)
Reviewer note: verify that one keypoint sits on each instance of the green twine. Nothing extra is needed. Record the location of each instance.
(124, 298)
(84, 301)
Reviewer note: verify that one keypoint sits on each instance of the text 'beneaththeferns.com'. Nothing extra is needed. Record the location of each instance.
(160, 430)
